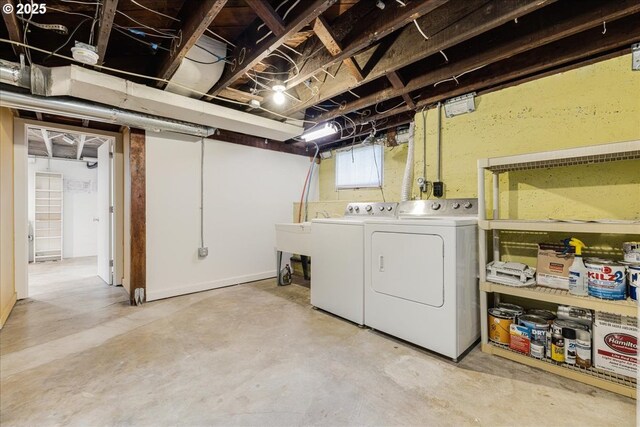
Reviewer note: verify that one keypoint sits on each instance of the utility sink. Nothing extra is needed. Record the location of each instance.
(294, 238)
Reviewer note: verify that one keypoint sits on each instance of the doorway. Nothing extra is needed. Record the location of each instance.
(71, 238)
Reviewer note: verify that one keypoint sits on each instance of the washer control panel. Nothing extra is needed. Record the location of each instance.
(375, 209)
(438, 207)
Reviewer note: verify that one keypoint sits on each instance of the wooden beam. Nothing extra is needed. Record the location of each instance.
(363, 32)
(398, 84)
(326, 36)
(80, 146)
(447, 26)
(239, 95)
(13, 27)
(138, 220)
(47, 142)
(250, 49)
(253, 141)
(573, 50)
(530, 35)
(107, 13)
(269, 16)
(196, 16)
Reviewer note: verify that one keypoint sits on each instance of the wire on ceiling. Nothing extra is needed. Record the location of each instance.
(154, 11)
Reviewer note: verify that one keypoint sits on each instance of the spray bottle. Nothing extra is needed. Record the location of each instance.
(578, 284)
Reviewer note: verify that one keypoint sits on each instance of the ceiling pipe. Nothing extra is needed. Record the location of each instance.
(100, 113)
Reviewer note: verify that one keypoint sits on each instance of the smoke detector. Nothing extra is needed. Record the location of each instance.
(85, 53)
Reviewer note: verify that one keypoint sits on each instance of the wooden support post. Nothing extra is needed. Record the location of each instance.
(138, 227)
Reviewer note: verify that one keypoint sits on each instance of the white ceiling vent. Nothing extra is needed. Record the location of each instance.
(200, 69)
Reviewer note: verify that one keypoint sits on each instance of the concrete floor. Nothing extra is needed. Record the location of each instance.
(257, 354)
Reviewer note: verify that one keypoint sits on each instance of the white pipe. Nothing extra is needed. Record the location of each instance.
(99, 113)
(407, 179)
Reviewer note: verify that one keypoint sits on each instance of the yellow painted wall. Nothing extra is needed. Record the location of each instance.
(596, 104)
(7, 273)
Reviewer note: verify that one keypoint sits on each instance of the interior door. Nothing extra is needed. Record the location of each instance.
(104, 213)
(408, 266)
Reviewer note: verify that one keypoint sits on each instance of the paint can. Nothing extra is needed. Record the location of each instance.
(560, 324)
(538, 328)
(631, 251)
(499, 323)
(575, 314)
(557, 348)
(547, 315)
(606, 279)
(583, 349)
(511, 308)
(633, 276)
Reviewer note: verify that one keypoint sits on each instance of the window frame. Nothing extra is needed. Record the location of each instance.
(380, 184)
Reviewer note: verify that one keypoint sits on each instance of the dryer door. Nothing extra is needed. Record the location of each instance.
(408, 266)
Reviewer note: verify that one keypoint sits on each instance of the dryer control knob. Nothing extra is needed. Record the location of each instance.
(381, 208)
(368, 208)
(468, 205)
(357, 208)
(389, 208)
(435, 206)
(350, 208)
(456, 206)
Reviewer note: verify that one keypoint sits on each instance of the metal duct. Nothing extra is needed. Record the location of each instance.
(99, 113)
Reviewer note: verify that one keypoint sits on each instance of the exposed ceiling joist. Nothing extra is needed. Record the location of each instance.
(13, 27)
(253, 47)
(398, 84)
(326, 36)
(108, 12)
(196, 16)
(363, 32)
(447, 26)
(531, 34)
(252, 141)
(269, 16)
(239, 95)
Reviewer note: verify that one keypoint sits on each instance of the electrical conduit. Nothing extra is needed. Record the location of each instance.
(407, 179)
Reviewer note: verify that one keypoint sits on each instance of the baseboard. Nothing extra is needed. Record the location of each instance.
(6, 310)
(206, 286)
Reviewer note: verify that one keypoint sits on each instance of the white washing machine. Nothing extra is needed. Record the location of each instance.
(337, 253)
(421, 275)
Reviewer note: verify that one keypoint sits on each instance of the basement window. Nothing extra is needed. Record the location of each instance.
(359, 167)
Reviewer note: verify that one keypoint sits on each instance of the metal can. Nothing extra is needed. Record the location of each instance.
(557, 348)
(537, 327)
(631, 251)
(515, 309)
(499, 323)
(547, 315)
(633, 277)
(606, 279)
(576, 314)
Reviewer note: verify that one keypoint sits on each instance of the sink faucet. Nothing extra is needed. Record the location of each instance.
(323, 213)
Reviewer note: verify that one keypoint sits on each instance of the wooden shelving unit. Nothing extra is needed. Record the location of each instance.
(585, 155)
(47, 231)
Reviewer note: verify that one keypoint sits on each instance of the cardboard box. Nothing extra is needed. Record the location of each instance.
(552, 267)
(615, 344)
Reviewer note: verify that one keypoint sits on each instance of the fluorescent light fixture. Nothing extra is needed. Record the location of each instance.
(460, 105)
(278, 98)
(326, 130)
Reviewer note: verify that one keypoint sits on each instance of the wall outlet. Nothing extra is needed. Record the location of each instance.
(203, 252)
(438, 189)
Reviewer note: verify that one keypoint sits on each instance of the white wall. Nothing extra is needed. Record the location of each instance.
(80, 231)
(247, 191)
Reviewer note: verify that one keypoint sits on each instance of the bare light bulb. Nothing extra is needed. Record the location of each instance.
(278, 98)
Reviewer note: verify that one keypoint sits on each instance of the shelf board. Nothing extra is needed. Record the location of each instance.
(48, 237)
(596, 377)
(626, 307)
(559, 226)
(627, 150)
